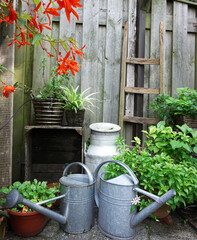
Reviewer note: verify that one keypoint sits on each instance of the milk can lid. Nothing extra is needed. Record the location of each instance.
(105, 127)
(75, 180)
(123, 179)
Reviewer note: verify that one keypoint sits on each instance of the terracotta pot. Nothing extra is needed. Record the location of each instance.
(27, 224)
(163, 211)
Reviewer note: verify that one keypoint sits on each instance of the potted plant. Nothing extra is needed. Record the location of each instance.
(166, 162)
(181, 109)
(76, 104)
(48, 103)
(24, 221)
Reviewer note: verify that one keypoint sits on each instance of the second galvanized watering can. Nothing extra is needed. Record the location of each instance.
(115, 218)
(76, 205)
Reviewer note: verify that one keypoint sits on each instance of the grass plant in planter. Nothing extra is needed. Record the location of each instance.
(181, 109)
(166, 162)
(48, 103)
(24, 221)
(76, 104)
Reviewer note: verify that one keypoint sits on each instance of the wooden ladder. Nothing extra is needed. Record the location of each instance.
(138, 90)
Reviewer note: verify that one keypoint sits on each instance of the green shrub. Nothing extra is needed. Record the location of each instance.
(165, 163)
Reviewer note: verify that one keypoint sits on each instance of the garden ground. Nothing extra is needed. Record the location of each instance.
(147, 230)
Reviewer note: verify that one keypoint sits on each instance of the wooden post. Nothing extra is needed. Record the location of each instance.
(123, 79)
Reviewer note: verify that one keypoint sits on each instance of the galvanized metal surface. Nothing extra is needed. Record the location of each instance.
(102, 144)
(115, 218)
(78, 205)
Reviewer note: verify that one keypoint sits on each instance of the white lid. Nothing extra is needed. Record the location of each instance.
(105, 127)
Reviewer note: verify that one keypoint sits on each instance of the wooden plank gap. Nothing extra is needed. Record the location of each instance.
(143, 61)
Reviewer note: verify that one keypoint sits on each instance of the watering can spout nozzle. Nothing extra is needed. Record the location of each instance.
(13, 198)
(147, 211)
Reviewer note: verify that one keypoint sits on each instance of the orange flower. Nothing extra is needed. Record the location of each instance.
(68, 4)
(7, 90)
(12, 16)
(24, 209)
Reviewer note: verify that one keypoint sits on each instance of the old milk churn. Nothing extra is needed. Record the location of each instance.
(115, 218)
(76, 205)
(102, 144)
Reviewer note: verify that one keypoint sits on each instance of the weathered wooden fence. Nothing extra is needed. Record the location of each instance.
(179, 19)
(100, 26)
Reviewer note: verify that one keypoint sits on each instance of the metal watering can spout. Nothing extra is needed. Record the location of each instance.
(159, 201)
(14, 198)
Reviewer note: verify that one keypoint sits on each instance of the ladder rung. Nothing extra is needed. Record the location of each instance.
(141, 90)
(143, 61)
(141, 120)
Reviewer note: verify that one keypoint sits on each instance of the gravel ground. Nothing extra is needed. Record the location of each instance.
(147, 230)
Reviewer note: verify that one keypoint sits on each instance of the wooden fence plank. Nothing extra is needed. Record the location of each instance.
(41, 75)
(180, 51)
(191, 46)
(123, 79)
(112, 58)
(158, 13)
(89, 71)
(161, 75)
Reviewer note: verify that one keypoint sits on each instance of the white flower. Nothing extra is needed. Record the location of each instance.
(135, 200)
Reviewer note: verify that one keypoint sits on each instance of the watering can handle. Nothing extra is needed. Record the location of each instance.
(131, 173)
(82, 165)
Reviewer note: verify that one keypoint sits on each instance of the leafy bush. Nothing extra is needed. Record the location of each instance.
(165, 163)
(184, 103)
(36, 192)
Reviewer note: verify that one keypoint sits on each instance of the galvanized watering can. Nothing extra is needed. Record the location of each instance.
(115, 218)
(76, 205)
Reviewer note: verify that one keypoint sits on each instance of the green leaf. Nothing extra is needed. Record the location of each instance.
(37, 38)
(175, 144)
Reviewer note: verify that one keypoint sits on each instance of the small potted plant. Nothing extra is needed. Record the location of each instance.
(24, 221)
(165, 162)
(181, 109)
(76, 104)
(48, 103)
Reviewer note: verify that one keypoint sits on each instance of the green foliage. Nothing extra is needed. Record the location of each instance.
(35, 191)
(53, 89)
(184, 103)
(77, 101)
(164, 163)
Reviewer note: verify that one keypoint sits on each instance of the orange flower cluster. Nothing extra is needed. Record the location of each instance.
(7, 89)
(33, 29)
